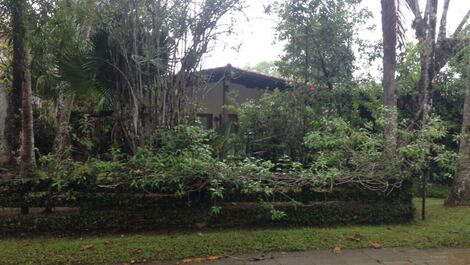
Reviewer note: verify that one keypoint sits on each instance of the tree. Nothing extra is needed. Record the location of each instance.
(460, 194)
(389, 30)
(22, 83)
(144, 54)
(436, 51)
(79, 37)
(319, 38)
(436, 48)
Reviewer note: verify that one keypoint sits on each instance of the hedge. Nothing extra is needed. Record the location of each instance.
(318, 214)
(110, 211)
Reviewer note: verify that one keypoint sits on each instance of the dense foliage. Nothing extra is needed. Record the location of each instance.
(115, 111)
(320, 36)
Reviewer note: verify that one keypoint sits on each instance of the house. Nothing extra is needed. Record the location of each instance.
(224, 86)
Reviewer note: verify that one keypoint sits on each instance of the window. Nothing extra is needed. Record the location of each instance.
(206, 120)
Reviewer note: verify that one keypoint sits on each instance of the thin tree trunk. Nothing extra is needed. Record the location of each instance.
(427, 72)
(427, 76)
(4, 157)
(389, 30)
(460, 194)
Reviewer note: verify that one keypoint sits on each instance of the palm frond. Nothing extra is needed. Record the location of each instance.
(401, 29)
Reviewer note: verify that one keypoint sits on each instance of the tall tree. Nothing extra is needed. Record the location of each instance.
(22, 83)
(437, 48)
(319, 37)
(389, 31)
(460, 194)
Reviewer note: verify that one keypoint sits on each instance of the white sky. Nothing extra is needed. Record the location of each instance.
(255, 33)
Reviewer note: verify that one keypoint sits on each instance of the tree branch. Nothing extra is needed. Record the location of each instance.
(459, 29)
(449, 47)
(443, 24)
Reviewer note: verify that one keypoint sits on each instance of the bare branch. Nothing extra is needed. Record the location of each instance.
(427, 10)
(462, 24)
(447, 49)
(443, 24)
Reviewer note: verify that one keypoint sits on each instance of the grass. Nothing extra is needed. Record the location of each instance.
(445, 227)
(434, 190)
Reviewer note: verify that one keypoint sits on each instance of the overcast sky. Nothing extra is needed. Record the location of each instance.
(256, 35)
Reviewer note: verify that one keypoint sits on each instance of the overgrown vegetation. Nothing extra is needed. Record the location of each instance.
(183, 166)
(110, 98)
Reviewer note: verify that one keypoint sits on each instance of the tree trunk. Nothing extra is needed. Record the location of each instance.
(3, 117)
(22, 84)
(427, 70)
(64, 110)
(389, 30)
(460, 194)
(28, 158)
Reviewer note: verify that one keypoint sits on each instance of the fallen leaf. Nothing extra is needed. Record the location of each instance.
(108, 242)
(337, 250)
(196, 260)
(200, 234)
(87, 247)
(25, 244)
(356, 238)
(199, 260)
(376, 245)
(137, 251)
(214, 257)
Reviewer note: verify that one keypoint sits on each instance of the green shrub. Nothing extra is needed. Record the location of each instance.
(158, 218)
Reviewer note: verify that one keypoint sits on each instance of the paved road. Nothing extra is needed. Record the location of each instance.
(396, 256)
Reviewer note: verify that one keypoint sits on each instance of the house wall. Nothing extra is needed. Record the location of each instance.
(211, 100)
